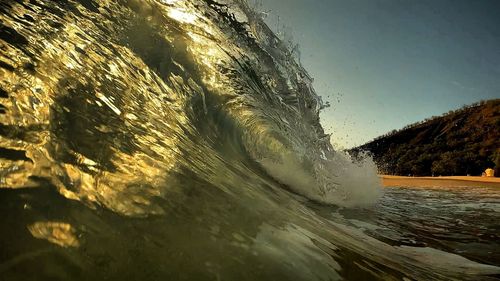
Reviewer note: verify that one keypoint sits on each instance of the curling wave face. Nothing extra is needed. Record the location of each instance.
(176, 122)
(107, 101)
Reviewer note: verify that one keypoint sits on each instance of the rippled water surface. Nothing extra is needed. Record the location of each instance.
(180, 140)
(416, 234)
(464, 221)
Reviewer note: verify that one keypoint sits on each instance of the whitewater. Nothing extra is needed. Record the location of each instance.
(181, 140)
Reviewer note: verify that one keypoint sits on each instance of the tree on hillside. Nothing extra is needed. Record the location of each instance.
(495, 158)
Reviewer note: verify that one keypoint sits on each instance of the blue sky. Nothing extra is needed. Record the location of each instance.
(384, 64)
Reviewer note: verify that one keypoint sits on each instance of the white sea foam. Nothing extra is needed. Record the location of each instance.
(337, 181)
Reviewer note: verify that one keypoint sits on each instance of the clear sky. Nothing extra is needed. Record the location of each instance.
(384, 64)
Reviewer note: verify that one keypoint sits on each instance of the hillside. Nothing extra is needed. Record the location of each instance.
(462, 142)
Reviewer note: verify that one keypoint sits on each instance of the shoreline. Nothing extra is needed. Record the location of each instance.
(451, 181)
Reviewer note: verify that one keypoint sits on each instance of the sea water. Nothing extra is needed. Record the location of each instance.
(180, 140)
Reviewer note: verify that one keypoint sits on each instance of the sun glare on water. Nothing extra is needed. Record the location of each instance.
(182, 16)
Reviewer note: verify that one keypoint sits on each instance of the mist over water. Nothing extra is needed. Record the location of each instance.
(147, 140)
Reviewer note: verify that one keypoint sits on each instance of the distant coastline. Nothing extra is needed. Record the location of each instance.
(460, 142)
(455, 181)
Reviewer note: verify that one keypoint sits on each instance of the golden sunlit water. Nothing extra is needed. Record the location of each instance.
(180, 140)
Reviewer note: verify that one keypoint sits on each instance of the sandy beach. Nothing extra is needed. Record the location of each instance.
(460, 181)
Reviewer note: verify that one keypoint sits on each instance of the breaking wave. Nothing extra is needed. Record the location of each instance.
(175, 139)
(114, 99)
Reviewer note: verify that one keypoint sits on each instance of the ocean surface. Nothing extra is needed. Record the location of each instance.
(180, 140)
